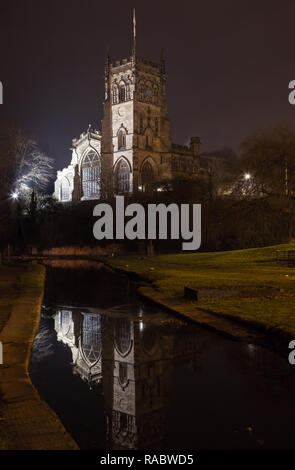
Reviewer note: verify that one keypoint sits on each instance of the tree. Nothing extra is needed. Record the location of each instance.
(22, 166)
(267, 163)
(218, 166)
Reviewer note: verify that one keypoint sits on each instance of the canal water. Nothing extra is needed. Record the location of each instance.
(122, 374)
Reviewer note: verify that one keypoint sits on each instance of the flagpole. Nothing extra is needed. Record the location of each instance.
(134, 34)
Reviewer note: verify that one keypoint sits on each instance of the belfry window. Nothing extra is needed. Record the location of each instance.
(115, 94)
(122, 139)
(128, 91)
(91, 176)
(122, 177)
(122, 93)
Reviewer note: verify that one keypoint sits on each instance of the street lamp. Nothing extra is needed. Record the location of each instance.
(247, 176)
(14, 195)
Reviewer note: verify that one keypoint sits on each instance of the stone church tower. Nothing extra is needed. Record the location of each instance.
(134, 151)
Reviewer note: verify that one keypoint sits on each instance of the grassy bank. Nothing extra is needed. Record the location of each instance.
(250, 270)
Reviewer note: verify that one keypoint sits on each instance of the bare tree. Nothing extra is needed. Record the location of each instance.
(266, 165)
(23, 164)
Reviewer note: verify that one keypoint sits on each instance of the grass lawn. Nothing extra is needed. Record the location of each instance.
(246, 269)
(14, 279)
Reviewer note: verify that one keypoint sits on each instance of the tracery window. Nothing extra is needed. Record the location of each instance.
(149, 92)
(115, 94)
(65, 190)
(122, 93)
(128, 90)
(91, 337)
(122, 177)
(65, 317)
(91, 175)
(141, 89)
(123, 340)
(156, 95)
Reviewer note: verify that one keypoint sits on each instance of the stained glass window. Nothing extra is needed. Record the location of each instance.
(122, 177)
(91, 175)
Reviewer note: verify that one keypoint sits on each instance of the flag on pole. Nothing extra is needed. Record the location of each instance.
(134, 23)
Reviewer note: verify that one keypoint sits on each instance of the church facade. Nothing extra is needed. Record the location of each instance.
(133, 151)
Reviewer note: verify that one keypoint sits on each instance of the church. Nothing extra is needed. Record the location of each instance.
(133, 151)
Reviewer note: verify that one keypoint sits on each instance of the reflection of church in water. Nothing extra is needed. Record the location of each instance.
(133, 151)
(135, 361)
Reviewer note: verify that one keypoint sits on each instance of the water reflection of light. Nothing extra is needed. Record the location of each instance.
(251, 349)
(141, 326)
(140, 312)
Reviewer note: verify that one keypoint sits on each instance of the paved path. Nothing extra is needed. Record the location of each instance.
(26, 422)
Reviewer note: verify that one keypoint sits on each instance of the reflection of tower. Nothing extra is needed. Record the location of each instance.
(81, 331)
(136, 360)
(137, 413)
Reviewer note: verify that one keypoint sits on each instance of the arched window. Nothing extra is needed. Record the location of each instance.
(122, 177)
(141, 124)
(115, 94)
(156, 127)
(122, 93)
(149, 138)
(123, 373)
(91, 175)
(122, 139)
(128, 90)
(65, 190)
(91, 337)
(149, 92)
(147, 176)
(123, 340)
(156, 94)
(141, 90)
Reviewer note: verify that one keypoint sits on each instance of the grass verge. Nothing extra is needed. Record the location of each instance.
(250, 270)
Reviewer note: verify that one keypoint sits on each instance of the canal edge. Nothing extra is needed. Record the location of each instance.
(26, 421)
(234, 328)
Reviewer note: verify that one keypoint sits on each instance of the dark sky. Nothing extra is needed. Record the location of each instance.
(229, 63)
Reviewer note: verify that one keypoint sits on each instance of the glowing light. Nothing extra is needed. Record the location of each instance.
(14, 195)
(247, 176)
(141, 326)
(140, 188)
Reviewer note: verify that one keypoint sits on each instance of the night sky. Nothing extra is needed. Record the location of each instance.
(229, 63)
